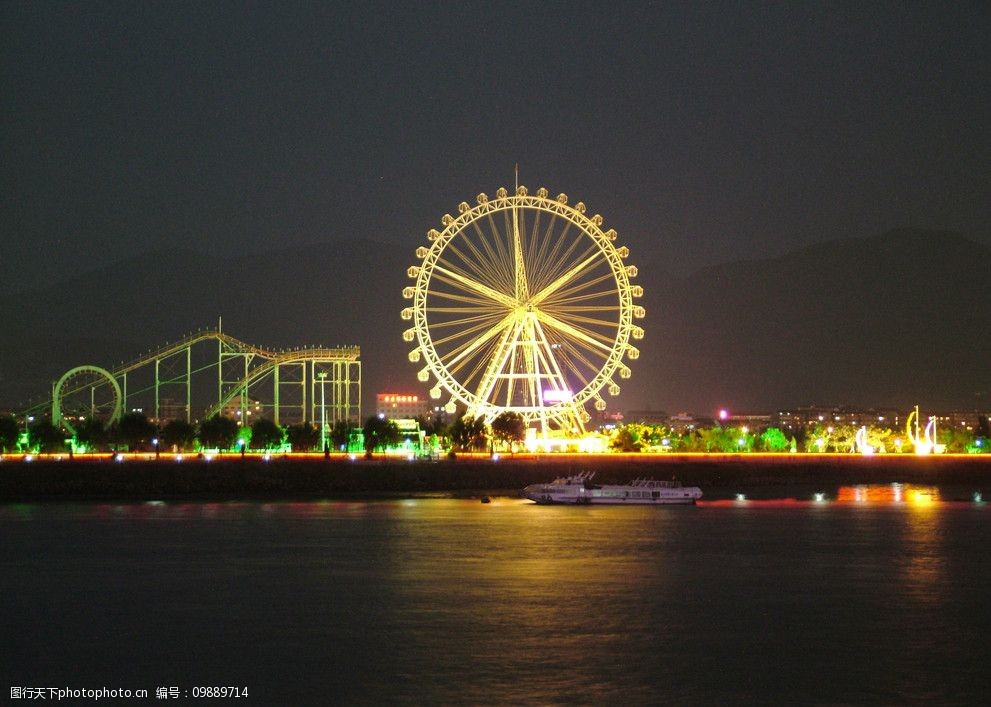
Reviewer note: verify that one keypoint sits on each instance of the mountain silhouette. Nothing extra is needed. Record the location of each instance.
(891, 320)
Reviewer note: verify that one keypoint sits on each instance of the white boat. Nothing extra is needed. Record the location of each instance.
(580, 489)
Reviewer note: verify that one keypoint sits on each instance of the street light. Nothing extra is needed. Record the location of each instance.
(27, 436)
(322, 375)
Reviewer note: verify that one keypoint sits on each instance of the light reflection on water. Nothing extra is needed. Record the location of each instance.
(452, 601)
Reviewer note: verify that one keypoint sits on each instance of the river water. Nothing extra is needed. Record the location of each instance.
(868, 600)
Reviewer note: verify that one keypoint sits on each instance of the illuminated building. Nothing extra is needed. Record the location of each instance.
(171, 409)
(755, 422)
(647, 417)
(402, 405)
(253, 411)
(801, 418)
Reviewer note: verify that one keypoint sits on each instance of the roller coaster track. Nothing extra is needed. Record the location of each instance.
(349, 353)
(259, 372)
(228, 346)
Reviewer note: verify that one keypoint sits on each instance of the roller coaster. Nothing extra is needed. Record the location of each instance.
(209, 372)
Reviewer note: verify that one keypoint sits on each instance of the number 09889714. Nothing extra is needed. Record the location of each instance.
(216, 691)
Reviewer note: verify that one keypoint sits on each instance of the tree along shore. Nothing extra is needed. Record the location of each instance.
(237, 478)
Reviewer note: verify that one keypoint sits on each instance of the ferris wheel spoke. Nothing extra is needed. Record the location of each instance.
(453, 278)
(572, 292)
(478, 320)
(462, 331)
(521, 288)
(578, 374)
(599, 323)
(492, 311)
(455, 268)
(599, 296)
(470, 369)
(468, 349)
(568, 309)
(542, 256)
(584, 353)
(503, 255)
(576, 353)
(493, 261)
(589, 337)
(571, 255)
(477, 271)
(556, 257)
(466, 299)
(563, 279)
(532, 242)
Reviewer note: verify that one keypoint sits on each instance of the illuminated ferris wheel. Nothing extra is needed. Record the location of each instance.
(523, 303)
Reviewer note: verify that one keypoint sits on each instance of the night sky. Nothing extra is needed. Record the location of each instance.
(704, 132)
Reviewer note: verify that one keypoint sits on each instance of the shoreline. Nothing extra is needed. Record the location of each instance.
(313, 477)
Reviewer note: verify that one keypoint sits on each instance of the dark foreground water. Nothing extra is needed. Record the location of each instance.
(869, 600)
